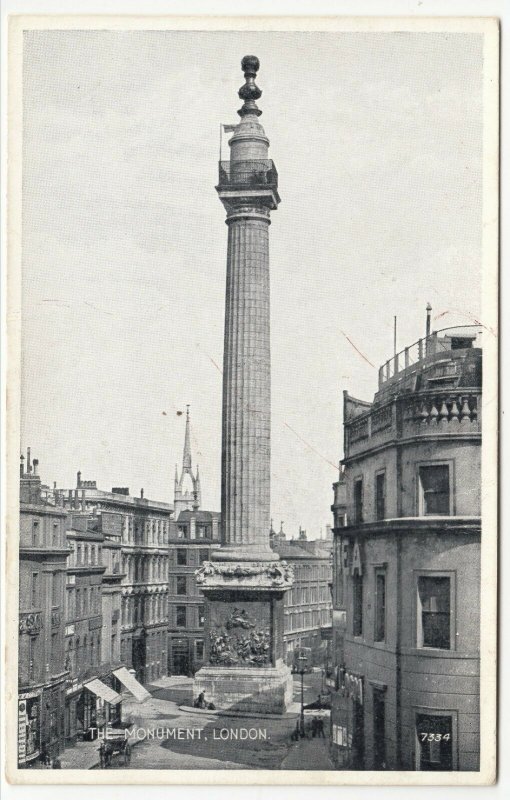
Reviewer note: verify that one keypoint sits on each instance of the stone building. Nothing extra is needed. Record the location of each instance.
(144, 566)
(42, 673)
(307, 605)
(192, 538)
(407, 563)
(92, 694)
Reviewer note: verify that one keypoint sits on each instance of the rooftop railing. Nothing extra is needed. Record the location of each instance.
(444, 340)
(254, 174)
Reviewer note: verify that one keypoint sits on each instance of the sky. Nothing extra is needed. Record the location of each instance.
(377, 138)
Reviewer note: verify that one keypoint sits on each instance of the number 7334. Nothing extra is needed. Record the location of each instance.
(435, 737)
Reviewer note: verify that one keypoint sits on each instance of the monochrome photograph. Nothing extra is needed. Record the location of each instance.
(252, 310)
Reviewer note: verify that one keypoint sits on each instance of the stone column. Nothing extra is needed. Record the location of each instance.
(246, 391)
(244, 584)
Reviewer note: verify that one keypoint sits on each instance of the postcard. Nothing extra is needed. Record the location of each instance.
(252, 304)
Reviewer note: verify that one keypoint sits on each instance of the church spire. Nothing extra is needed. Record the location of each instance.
(186, 456)
(187, 492)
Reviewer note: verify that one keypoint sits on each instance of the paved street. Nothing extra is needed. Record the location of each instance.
(171, 737)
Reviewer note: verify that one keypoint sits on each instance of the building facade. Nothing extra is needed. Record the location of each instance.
(307, 605)
(42, 673)
(193, 536)
(144, 567)
(93, 700)
(406, 585)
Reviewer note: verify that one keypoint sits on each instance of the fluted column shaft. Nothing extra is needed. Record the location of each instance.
(247, 388)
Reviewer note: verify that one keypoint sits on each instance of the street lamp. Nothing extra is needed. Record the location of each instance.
(303, 659)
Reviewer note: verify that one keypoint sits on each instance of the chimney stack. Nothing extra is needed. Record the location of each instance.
(29, 468)
(141, 494)
(36, 464)
(429, 309)
(21, 466)
(78, 479)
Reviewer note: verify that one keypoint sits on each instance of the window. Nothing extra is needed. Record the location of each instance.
(203, 555)
(181, 584)
(180, 616)
(434, 750)
(55, 581)
(78, 554)
(182, 556)
(380, 606)
(31, 656)
(54, 646)
(86, 554)
(181, 532)
(202, 531)
(435, 490)
(78, 603)
(35, 532)
(357, 605)
(199, 650)
(380, 495)
(201, 616)
(56, 536)
(460, 343)
(379, 710)
(358, 500)
(434, 612)
(35, 589)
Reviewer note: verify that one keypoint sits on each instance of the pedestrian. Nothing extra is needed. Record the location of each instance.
(102, 755)
(56, 764)
(320, 727)
(200, 702)
(314, 727)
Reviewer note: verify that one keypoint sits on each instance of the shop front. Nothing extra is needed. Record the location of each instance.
(98, 706)
(52, 722)
(348, 721)
(72, 730)
(29, 728)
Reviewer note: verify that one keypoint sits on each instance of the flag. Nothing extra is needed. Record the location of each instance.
(229, 128)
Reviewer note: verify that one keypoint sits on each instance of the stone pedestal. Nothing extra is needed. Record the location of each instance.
(264, 690)
(244, 668)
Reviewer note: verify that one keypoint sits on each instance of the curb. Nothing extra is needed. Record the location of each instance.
(239, 714)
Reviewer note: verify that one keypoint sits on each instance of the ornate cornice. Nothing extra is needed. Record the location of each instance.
(246, 575)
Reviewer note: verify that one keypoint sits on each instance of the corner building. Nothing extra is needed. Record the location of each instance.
(406, 580)
(143, 566)
(42, 674)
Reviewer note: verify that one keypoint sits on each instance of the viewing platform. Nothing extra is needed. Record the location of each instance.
(431, 388)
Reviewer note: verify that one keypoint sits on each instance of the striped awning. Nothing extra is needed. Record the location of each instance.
(103, 691)
(129, 681)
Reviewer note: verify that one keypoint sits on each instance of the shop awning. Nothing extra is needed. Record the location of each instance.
(129, 681)
(103, 691)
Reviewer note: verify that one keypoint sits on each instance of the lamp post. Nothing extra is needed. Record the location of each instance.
(302, 659)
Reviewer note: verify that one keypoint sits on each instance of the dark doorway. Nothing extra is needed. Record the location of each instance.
(181, 657)
(434, 742)
(379, 730)
(358, 737)
(139, 654)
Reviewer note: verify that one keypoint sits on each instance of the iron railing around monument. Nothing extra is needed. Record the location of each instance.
(254, 174)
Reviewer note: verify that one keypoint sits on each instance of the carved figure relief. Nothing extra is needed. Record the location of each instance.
(232, 644)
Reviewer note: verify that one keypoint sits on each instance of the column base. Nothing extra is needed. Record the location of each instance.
(258, 690)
